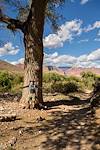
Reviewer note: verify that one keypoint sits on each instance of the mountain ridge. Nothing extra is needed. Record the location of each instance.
(19, 68)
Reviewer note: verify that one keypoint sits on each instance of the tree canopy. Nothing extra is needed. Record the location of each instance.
(15, 12)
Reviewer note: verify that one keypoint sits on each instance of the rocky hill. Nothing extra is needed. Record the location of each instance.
(71, 71)
(10, 68)
(19, 68)
(78, 71)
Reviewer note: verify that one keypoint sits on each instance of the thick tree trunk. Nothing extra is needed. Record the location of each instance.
(33, 72)
(33, 40)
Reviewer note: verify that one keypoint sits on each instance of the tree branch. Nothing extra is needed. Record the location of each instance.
(12, 24)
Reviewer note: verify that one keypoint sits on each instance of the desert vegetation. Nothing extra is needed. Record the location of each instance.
(10, 82)
(52, 82)
(68, 113)
(66, 84)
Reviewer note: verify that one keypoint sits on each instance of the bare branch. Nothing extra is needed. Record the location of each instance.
(12, 24)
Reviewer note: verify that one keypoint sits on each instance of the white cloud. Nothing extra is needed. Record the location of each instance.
(19, 61)
(84, 2)
(96, 25)
(95, 55)
(86, 60)
(82, 58)
(97, 39)
(66, 32)
(98, 33)
(8, 49)
(87, 64)
(58, 60)
(84, 40)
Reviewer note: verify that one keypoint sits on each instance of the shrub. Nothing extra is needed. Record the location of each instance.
(18, 79)
(47, 88)
(10, 82)
(73, 78)
(65, 87)
(53, 82)
(5, 81)
(88, 75)
(88, 79)
(52, 77)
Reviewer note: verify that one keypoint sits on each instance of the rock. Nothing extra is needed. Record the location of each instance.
(20, 132)
(3, 146)
(16, 98)
(78, 127)
(40, 131)
(1, 109)
(82, 123)
(12, 141)
(40, 119)
(7, 117)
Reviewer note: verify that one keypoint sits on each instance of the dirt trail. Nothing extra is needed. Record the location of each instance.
(66, 125)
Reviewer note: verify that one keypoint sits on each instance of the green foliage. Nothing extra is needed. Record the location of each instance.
(73, 78)
(65, 87)
(54, 82)
(52, 77)
(88, 79)
(88, 75)
(9, 82)
(17, 79)
(5, 81)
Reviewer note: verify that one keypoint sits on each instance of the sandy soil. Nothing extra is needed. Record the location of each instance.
(67, 125)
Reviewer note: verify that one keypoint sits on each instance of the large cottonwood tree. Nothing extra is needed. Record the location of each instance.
(30, 20)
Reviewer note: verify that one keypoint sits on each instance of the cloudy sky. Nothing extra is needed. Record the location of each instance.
(75, 44)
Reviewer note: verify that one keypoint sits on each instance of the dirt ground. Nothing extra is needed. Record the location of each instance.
(67, 125)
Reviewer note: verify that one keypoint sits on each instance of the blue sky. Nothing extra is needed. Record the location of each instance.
(76, 44)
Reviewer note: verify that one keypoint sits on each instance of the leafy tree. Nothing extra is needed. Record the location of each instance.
(30, 20)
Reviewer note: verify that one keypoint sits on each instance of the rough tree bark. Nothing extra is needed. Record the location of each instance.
(33, 40)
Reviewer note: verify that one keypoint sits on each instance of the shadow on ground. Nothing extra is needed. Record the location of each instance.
(72, 130)
(72, 101)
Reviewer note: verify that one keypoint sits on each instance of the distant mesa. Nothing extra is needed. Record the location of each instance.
(71, 71)
(19, 68)
(78, 71)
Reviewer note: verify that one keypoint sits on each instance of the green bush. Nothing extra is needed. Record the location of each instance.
(88, 79)
(65, 87)
(53, 82)
(47, 87)
(5, 81)
(88, 75)
(52, 77)
(10, 82)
